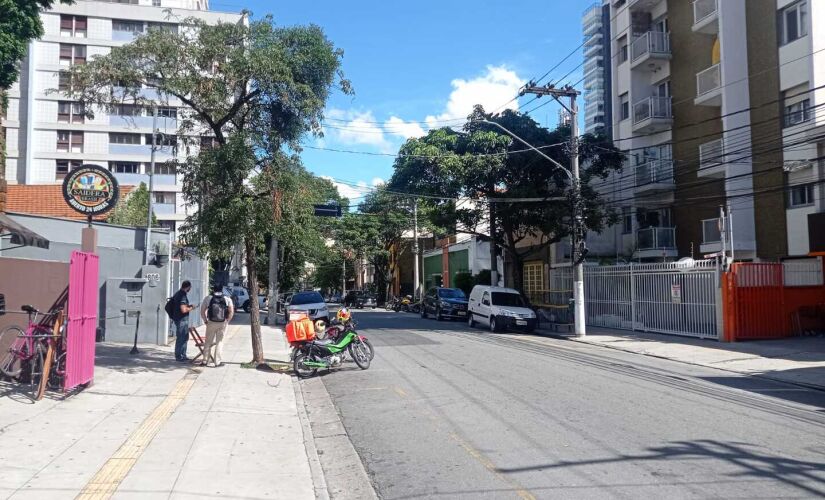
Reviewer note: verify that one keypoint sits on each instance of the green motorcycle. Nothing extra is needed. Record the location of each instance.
(327, 354)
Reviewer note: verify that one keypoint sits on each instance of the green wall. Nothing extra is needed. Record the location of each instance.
(459, 262)
(432, 265)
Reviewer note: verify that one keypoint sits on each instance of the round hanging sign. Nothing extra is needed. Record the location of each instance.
(91, 190)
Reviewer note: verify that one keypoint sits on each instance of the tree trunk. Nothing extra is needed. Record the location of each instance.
(255, 316)
(272, 299)
(518, 270)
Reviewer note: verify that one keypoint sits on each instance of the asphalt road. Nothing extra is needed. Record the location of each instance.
(449, 412)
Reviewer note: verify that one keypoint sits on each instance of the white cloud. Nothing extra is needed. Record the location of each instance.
(358, 128)
(406, 130)
(348, 190)
(377, 181)
(492, 89)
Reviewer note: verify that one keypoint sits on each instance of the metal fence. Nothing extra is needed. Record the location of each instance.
(82, 320)
(803, 272)
(665, 298)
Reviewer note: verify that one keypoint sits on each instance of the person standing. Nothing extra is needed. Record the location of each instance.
(180, 318)
(217, 311)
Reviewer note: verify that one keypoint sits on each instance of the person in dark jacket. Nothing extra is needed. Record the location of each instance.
(181, 320)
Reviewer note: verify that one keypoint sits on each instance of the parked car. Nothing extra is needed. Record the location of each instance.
(262, 300)
(310, 302)
(444, 303)
(360, 299)
(500, 309)
(239, 295)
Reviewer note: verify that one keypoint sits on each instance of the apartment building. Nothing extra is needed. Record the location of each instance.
(597, 68)
(714, 102)
(47, 134)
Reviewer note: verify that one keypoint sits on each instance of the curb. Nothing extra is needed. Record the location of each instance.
(573, 338)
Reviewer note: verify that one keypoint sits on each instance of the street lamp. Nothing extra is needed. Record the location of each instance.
(578, 220)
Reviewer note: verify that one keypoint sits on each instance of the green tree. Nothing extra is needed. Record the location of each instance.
(132, 211)
(19, 24)
(480, 163)
(257, 89)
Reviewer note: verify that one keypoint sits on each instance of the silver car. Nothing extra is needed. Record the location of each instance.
(310, 302)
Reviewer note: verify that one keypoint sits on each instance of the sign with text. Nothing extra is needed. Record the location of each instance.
(676, 293)
(91, 190)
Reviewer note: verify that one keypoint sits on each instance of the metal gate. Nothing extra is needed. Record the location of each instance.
(82, 322)
(664, 298)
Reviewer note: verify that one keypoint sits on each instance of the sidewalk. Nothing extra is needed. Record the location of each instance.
(150, 427)
(798, 360)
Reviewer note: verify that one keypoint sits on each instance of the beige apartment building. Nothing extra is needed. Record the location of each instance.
(717, 103)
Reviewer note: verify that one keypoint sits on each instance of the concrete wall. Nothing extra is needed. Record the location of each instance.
(34, 282)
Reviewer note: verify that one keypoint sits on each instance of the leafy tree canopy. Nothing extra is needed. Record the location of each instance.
(133, 210)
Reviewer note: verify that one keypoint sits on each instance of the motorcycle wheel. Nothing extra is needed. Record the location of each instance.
(302, 371)
(367, 343)
(360, 354)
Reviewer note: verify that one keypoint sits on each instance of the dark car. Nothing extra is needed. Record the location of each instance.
(360, 299)
(444, 303)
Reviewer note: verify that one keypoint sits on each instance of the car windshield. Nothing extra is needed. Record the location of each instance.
(451, 293)
(508, 299)
(306, 298)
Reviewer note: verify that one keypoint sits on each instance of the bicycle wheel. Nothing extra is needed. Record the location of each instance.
(37, 362)
(15, 350)
(58, 372)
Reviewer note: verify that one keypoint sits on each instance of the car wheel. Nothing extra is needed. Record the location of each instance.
(438, 316)
(423, 312)
(471, 322)
(247, 307)
(493, 325)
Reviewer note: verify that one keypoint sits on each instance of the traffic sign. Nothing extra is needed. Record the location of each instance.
(328, 210)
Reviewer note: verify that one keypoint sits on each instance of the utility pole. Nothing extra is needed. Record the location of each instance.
(343, 277)
(578, 232)
(415, 247)
(151, 185)
(493, 252)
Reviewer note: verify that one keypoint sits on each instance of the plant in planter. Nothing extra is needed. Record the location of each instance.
(161, 253)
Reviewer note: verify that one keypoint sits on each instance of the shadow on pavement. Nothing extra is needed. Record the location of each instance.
(749, 461)
(116, 357)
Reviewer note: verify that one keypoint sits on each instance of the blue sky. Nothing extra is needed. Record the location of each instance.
(414, 61)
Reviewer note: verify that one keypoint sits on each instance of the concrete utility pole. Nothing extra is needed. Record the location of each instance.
(415, 247)
(343, 277)
(272, 300)
(151, 185)
(578, 232)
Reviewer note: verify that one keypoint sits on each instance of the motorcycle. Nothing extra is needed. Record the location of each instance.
(405, 303)
(337, 329)
(327, 354)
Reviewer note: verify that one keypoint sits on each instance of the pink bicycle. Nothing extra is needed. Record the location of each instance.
(25, 352)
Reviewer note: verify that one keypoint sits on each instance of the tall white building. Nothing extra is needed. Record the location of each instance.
(47, 134)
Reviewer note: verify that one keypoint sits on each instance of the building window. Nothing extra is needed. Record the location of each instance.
(207, 142)
(627, 220)
(124, 138)
(135, 27)
(163, 140)
(793, 22)
(127, 110)
(797, 113)
(171, 28)
(155, 3)
(64, 82)
(165, 169)
(124, 167)
(167, 224)
(72, 54)
(63, 167)
(533, 280)
(73, 26)
(165, 112)
(622, 49)
(624, 106)
(801, 196)
(70, 112)
(69, 141)
(164, 197)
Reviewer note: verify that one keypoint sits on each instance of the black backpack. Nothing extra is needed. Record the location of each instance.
(170, 307)
(217, 309)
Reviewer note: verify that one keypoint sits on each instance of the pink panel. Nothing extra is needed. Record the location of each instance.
(82, 322)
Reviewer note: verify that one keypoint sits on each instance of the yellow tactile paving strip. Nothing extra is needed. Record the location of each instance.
(105, 482)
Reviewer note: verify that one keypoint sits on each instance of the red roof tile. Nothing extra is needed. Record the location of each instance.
(47, 200)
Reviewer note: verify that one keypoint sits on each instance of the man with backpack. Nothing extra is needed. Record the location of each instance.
(178, 309)
(217, 311)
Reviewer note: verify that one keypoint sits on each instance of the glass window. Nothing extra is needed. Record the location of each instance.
(801, 196)
(70, 112)
(627, 220)
(797, 113)
(451, 293)
(127, 26)
(72, 25)
(63, 167)
(306, 298)
(123, 138)
(207, 142)
(793, 22)
(69, 141)
(127, 110)
(122, 167)
(64, 81)
(533, 278)
(624, 105)
(165, 197)
(165, 112)
(163, 140)
(155, 3)
(165, 169)
(508, 299)
(171, 28)
(72, 54)
(622, 48)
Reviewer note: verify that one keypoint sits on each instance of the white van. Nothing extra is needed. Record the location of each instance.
(500, 309)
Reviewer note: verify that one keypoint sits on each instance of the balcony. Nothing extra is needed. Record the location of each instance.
(709, 86)
(656, 242)
(136, 179)
(144, 122)
(654, 176)
(712, 159)
(643, 5)
(142, 151)
(163, 208)
(652, 114)
(650, 46)
(593, 50)
(711, 236)
(706, 17)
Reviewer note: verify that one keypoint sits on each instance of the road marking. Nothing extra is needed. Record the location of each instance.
(107, 479)
(400, 392)
(491, 467)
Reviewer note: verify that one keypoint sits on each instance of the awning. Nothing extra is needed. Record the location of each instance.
(21, 236)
